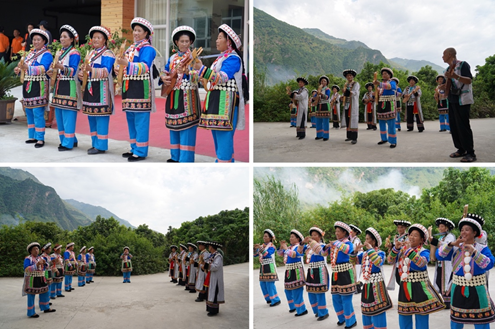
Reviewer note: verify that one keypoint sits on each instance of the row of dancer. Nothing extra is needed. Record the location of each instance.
(89, 88)
(199, 272)
(469, 261)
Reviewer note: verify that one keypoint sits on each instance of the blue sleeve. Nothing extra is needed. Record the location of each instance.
(107, 62)
(351, 247)
(231, 66)
(146, 55)
(303, 252)
(486, 251)
(167, 66)
(74, 61)
(79, 257)
(425, 253)
(327, 93)
(27, 262)
(360, 257)
(46, 61)
(66, 255)
(87, 258)
(399, 90)
(393, 85)
(270, 251)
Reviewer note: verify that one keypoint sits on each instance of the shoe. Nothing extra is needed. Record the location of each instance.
(302, 137)
(128, 281)
(303, 313)
(458, 154)
(441, 130)
(95, 151)
(60, 296)
(340, 323)
(67, 290)
(63, 148)
(75, 144)
(382, 142)
(325, 139)
(397, 129)
(374, 129)
(354, 142)
(123, 281)
(420, 131)
(50, 304)
(292, 311)
(39, 145)
(351, 326)
(347, 139)
(368, 128)
(321, 318)
(276, 304)
(72, 288)
(91, 281)
(468, 158)
(31, 141)
(317, 138)
(50, 310)
(409, 129)
(135, 158)
(211, 314)
(127, 154)
(268, 301)
(35, 316)
(393, 146)
(53, 297)
(170, 160)
(199, 300)
(316, 315)
(192, 291)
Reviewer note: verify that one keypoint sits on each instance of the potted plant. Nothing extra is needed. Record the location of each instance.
(8, 80)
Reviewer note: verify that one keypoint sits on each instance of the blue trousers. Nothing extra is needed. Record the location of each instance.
(422, 321)
(81, 280)
(392, 135)
(455, 325)
(293, 122)
(323, 127)
(313, 122)
(397, 121)
(36, 123)
(375, 322)
(53, 290)
(44, 303)
(89, 277)
(66, 123)
(269, 292)
(296, 300)
(68, 282)
(224, 142)
(98, 126)
(342, 304)
(183, 144)
(139, 132)
(127, 276)
(318, 303)
(444, 122)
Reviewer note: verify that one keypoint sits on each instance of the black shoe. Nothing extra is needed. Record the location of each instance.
(128, 281)
(409, 129)
(397, 129)
(325, 139)
(276, 304)
(53, 298)
(351, 326)
(321, 318)
(50, 304)
(317, 138)
(292, 311)
(63, 148)
(420, 131)
(50, 310)
(382, 142)
(135, 158)
(347, 139)
(199, 300)
(123, 282)
(441, 130)
(39, 145)
(60, 296)
(368, 128)
(31, 141)
(95, 151)
(67, 290)
(340, 323)
(72, 288)
(127, 154)
(35, 316)
(302, 137)
(75, 144)
(192, 291)
(303, 313)
(316, 315)
(268, 301)
(170, 160)
(211, 314)
(354, 141)
(393, 146)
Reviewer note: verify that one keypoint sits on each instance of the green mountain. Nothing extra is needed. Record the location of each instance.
(27, 200)
(287, 51)
(414, 65)
(93, 211)
(342, 43)
(17, 174)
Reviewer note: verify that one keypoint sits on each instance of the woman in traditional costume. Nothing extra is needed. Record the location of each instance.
(442, 104)
(398, 102)
(126, 265)
(323, 112)
(182, 265)
(412, 97)
(90, 261)
(67, 98)
(314, 106)
(294, 273)
(192, 268)
(416, 293)
(470, 299)
(138, 96)
(58, 277)
(268, 269)
(369, 107)
(98, 93)
(335, 107)
(375, 299)
(386, 112)
(343, 284)
(172, 263)
(351, 105)
(401, 237)
(35, 281)
(81, 267)
(317, 276)
(203, 255)
(50, 266)
(182, 107)
(70, 264)
(35, 86)
(216, 291)
(227, 94)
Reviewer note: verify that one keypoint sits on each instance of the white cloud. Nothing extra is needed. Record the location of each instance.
(418, 30)
(157, 196)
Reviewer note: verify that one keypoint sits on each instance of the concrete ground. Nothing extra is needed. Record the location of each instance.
(278, 317)
(277, 142)
(150, 301)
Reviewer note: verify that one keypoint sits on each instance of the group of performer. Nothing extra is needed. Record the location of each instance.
(382, 100)
(44, 272)
(199, 268)
(89, 88)
(460, 284)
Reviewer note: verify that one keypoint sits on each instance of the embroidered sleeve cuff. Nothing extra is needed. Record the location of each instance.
(137, 68)
(444, 250)
(36, 70)
(316, 247)
(100, 73)
(481, 260)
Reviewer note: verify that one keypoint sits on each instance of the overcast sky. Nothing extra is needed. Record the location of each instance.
(156, 196)
(420, 29)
